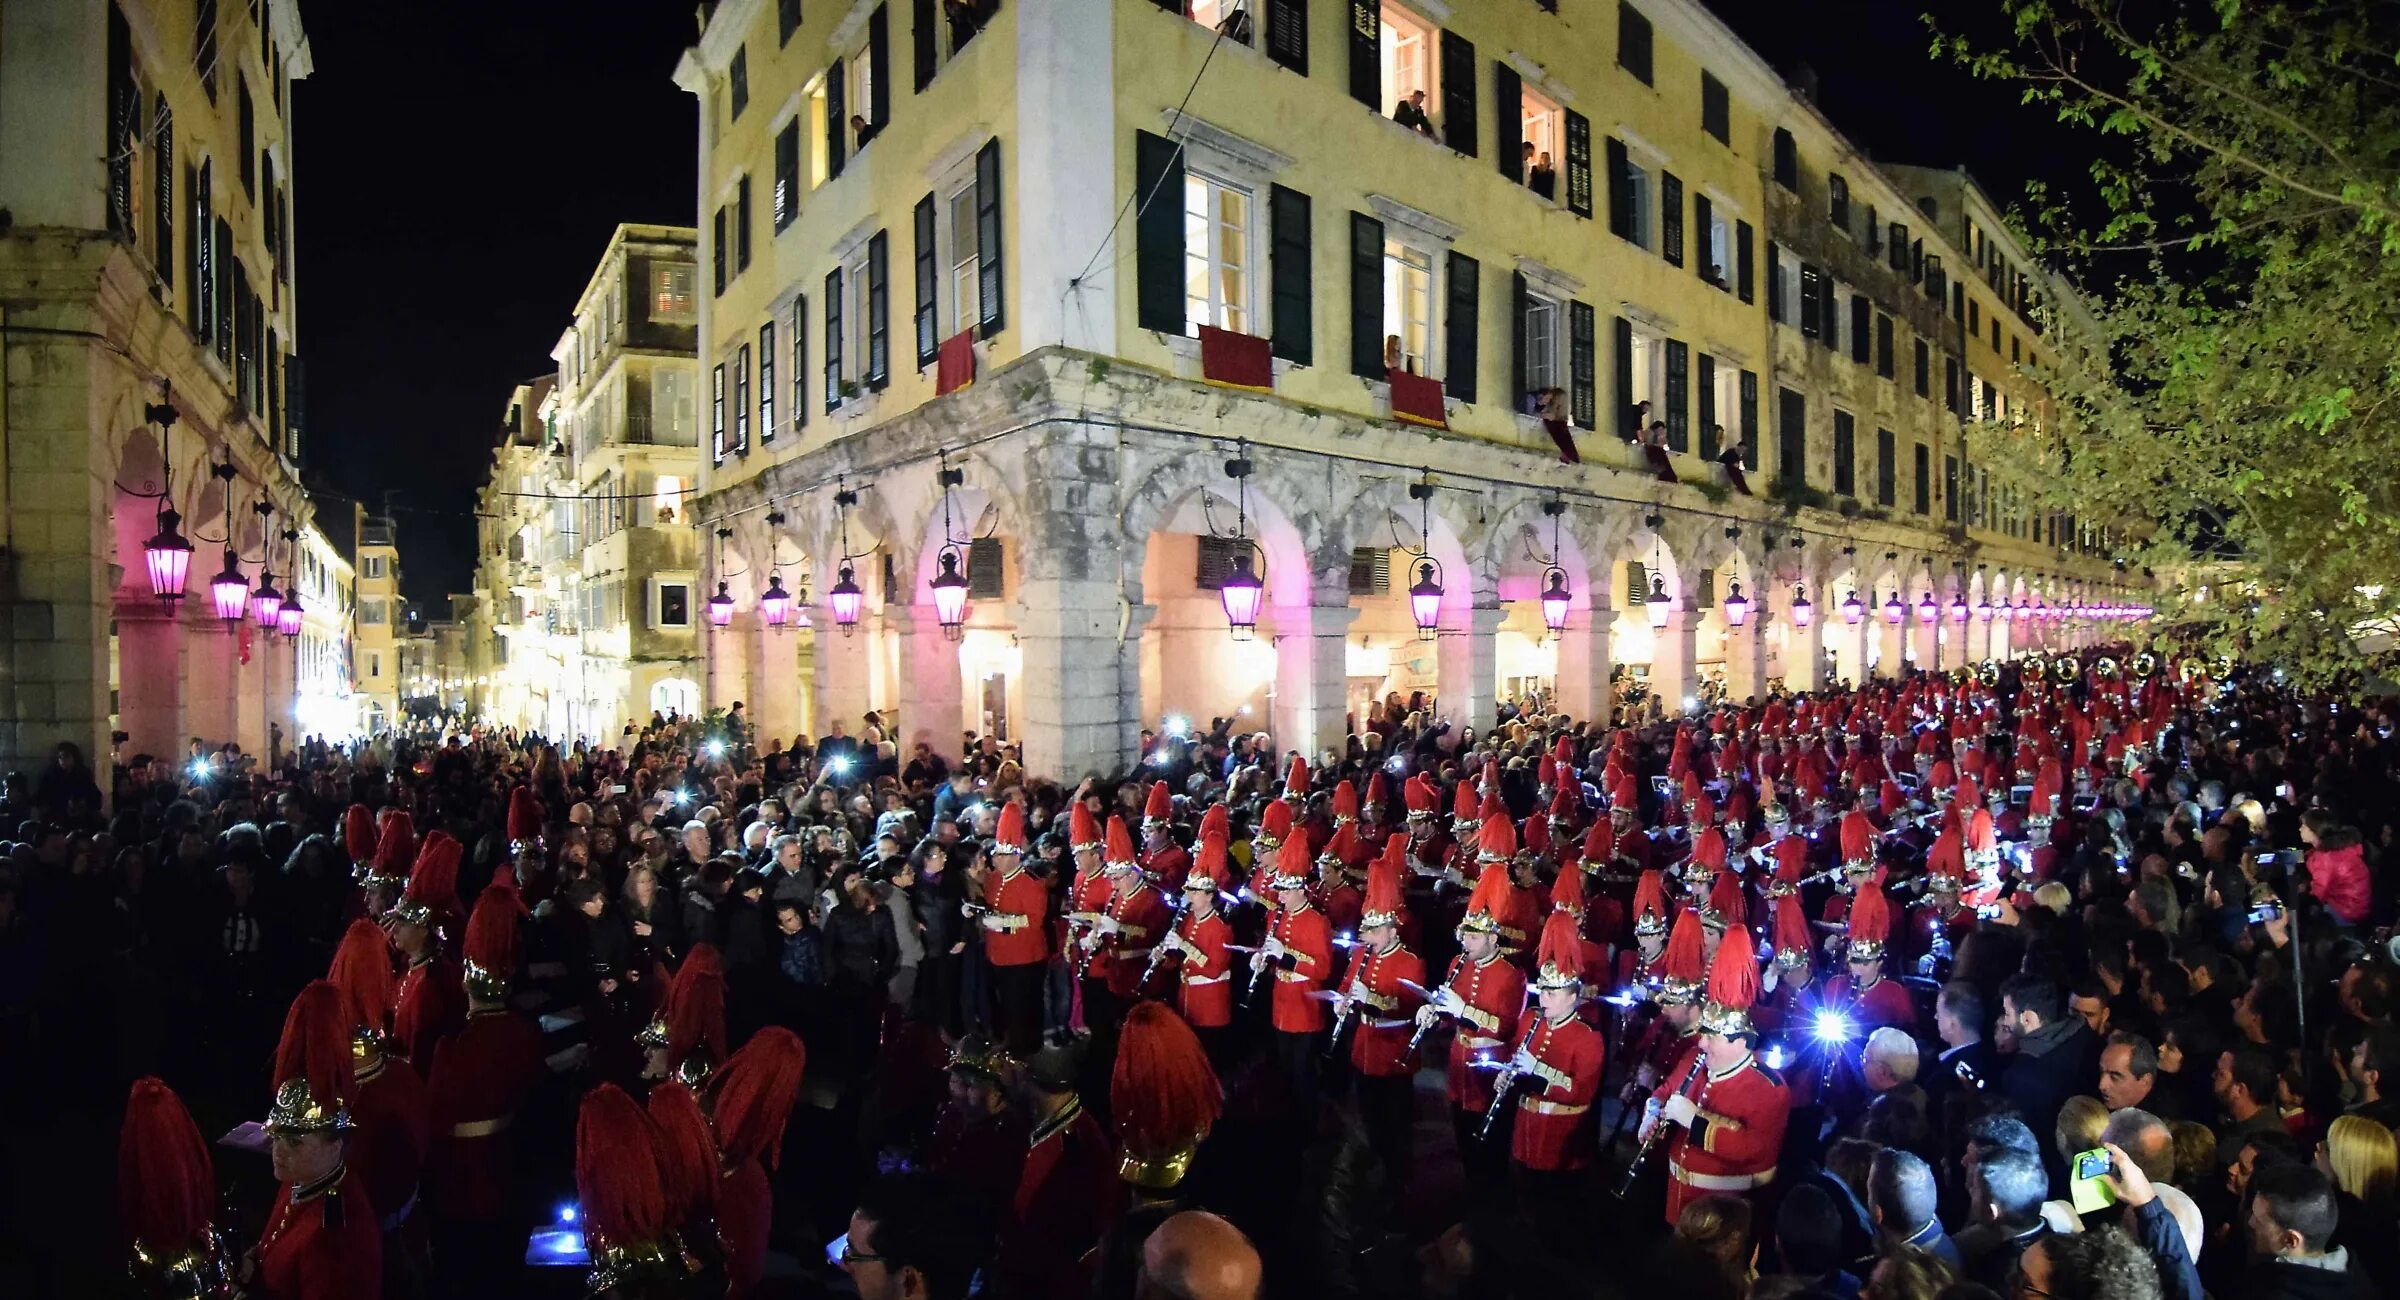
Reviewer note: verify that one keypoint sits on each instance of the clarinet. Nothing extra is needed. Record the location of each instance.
(1658, 1131)
(1158, 955)
(1507, 1082)
(1341, 1024)
(1417, 1039)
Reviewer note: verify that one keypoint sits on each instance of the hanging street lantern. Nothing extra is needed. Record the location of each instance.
(1737, 605)
(846, 598)
(1928, 610)
(1555, 600)
(1893, 610)
(1802, 611)
(266, 603)
(229, 589)
(721, 605)
(1958, 608)
(288, 614)
(775, 603)
(1854, 610)
(1657, 604)
(1425, 594)
(950, 595)
(168, 555)
(1241, 591)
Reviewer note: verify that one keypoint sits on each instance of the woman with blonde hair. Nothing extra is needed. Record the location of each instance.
(2081, 1124)
(1908, 1273)
(2363, 1159)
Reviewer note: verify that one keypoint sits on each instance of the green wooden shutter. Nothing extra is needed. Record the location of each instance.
(1704, 221)
(1460, 327)
(1627, 427)
(1743, 237)
(833, 338)
(1458, 93)
(991, 305)
(927, 277)
(1366, 296)
(1366, 53)
(1508, 120)
(879, 68)
(1287, 34)
(1670, 218)
(1291, 258)
(1709, 443)
(1579, 164)
(1158, 232)
(879, 310)
(1620, 190)
(1679, 395)
(1520, 301)
(922, 33)
(1749, 424)
(1583, 365)
(837, 119)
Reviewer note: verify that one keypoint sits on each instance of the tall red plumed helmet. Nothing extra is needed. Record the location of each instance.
(690, 1026)
(1163, 1096)
(754, 1095)
(362, 970)
(166, 1193)
(687, 1153)
(313, 1078)
(524, 817)
(1732, 985)
(621, 1197)
(358, 835)
(490, 946)
(431, 898)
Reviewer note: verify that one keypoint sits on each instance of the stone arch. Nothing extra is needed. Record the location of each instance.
(1191, 494)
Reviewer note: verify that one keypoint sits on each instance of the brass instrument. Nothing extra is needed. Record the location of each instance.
(2107, 670)
(2034, 669)
(2067, 669)
(2145, 665)
(1988, 672)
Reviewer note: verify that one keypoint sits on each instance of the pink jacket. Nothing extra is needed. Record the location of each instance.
(2339, 877)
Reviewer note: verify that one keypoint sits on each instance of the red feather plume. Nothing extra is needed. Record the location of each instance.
(362, 970)
(687, 1152)
(1164, 1094)
(358, 833)
(755, 1092)
(166, 1185)
(621, 1193)
(316, 1045)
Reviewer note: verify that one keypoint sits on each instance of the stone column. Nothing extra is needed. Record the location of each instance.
(841, 675)
(1467, 668)
(1583, 664)
(250, 717)
(934, 708)
(1924, 635)
(150, 677)
(1890, 640)
(1996, 639)
(1672, 655)
(1746, 656)
(1804, 652)
(774, 699)
(283, 690)
(728, 660)
(1311, 676)
(1129, 680)
(211, 690)
(1075, 711)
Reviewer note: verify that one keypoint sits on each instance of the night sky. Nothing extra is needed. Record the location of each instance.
(462, 162)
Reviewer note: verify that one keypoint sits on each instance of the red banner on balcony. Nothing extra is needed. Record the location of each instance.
(1417, 400)
(1236, 360)
(954, 365)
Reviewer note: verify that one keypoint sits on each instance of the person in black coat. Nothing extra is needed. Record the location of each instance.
(861, 951)
(2293, 1216)
(2058, 1056)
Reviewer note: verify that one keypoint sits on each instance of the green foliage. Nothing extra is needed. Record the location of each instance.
(2227, 400)
(1794, 495)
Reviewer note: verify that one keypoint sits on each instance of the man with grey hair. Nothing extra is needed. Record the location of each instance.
(1902, 1201)
(2149, 1143)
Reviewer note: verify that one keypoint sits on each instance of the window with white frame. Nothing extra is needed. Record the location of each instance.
(1410, 64)
(1641, 190)
(854, 319)
(1408, 306)
(860, 70)
(1727, 381)
(1787, 271)
(1543, 128)
(670, 603)
(372, 612)
(1544, 318)
(964, 254)
(1649, 373)
(819, 109)
(1219, 234)
(1716, 245)
(371, 567)
(1232, 17)
(666, 498)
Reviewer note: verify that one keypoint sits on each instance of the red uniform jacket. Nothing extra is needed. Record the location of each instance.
(1168, 867)
(480, 1080)
(1021, 906)
(1306, 968)
(1065, 1201)
(1207, 996)
(433, 1004)
(1385, 1016)
(1090, 894)
(1142, 916)
(1888, 1003)
(1521, 919)
(1731, 1147)
(1554, 1102)
(1494, 994)
(392, 1127)
(1342, 906)
(322, 1243)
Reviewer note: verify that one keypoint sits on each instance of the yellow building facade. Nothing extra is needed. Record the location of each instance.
(149, 333)
(1012, 290)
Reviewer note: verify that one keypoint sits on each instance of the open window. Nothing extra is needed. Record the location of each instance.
(820, 110)
(1408, 303)
(1716, 247)
(1411, 67)
(1230, 17)
(1220, 241)
(1545, 345)
(1543, 129)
